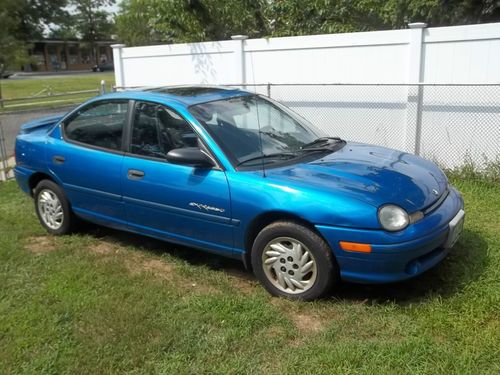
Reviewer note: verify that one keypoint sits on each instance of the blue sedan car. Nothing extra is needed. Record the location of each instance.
(237, 174)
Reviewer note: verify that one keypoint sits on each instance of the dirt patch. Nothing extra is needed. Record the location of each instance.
(163, 270)
(159, 268)
(138, 263)
(242, 280)
(105, 248)
(274, 332)
(41, 244)
(134, 261)
(307, 322)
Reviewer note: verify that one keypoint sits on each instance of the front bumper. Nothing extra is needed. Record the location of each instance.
(395, 256)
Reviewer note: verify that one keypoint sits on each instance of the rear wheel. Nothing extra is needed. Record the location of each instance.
(292, 261)
(52, 208)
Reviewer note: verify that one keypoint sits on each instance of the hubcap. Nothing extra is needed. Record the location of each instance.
(50, 209)
(289, 265)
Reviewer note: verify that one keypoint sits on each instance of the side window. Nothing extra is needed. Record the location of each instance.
(99, 125)
(157, 130)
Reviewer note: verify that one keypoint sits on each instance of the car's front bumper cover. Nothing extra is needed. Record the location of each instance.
(395, 256)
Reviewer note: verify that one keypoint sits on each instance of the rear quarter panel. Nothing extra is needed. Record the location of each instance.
(30, 149)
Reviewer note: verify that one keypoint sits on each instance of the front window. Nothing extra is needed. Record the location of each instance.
(157, 130)
(236, 122)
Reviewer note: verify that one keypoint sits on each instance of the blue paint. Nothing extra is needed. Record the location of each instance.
(337, 193)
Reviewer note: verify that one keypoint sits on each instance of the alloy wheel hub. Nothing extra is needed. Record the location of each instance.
(289, 265)
(50, 209)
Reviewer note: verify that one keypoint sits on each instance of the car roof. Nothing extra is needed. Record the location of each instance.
(186, 95)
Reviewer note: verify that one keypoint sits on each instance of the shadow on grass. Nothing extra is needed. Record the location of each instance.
(193, 257)
(463, 265)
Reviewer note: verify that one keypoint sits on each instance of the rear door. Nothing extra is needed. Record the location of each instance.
(176, 202)
(86, 154)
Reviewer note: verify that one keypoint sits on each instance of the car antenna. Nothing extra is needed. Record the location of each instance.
(258, 119)
(260, 135)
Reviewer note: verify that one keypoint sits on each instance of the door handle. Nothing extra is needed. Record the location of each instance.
(58, 159)
(134, 174)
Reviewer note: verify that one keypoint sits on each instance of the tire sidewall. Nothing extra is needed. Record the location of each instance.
(67, 216)
(327, 269)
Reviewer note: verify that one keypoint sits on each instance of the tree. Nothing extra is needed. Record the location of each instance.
(176, 21)
(296, 17)
(22, 21)
(12, 51)
(138, 23)
(35, 16)
(91, 23)
(397, 13)
(168, 21)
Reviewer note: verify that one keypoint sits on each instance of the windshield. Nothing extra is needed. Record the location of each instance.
(235, 124)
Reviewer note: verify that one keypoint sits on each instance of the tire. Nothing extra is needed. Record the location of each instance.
(52, 208)
(281, 259)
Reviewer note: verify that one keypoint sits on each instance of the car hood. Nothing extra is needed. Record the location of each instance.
(376, 175)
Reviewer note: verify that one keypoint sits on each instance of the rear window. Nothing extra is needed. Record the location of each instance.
(99, 125)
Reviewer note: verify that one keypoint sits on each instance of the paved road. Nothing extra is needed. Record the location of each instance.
(11, 122)
(49, 75)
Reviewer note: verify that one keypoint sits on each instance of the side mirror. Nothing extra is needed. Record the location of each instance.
(191, 156)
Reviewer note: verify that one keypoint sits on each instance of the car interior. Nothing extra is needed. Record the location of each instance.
(157, 130)
(224, 128)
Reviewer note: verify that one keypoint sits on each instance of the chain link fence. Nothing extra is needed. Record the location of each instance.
(452, 125)
(449, 124)
(16, 111)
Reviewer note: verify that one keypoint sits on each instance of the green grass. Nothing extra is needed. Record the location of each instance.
(20, 88)
(102, 301)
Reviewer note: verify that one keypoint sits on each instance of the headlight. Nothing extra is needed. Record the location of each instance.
(393, 218)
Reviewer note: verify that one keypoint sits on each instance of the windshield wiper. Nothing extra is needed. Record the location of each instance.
(316, 149)
(320, 141)
(282, 155)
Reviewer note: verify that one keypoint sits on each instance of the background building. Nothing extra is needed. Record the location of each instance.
(57, 55)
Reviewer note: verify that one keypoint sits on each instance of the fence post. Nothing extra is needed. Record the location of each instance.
(239, 52)
(269, 89)
(415, 91)
(102, 87)
(118, 62)
(1, 97)
(3, 155)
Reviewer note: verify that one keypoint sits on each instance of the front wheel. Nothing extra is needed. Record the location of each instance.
(292, 261)
(52, 208)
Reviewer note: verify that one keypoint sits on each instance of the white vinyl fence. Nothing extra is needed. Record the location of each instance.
(429, 91)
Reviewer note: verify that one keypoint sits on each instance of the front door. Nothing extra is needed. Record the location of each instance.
(179, 203)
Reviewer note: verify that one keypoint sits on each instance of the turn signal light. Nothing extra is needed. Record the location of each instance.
(354, 246)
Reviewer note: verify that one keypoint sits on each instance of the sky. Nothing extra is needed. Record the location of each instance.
(113, 8)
